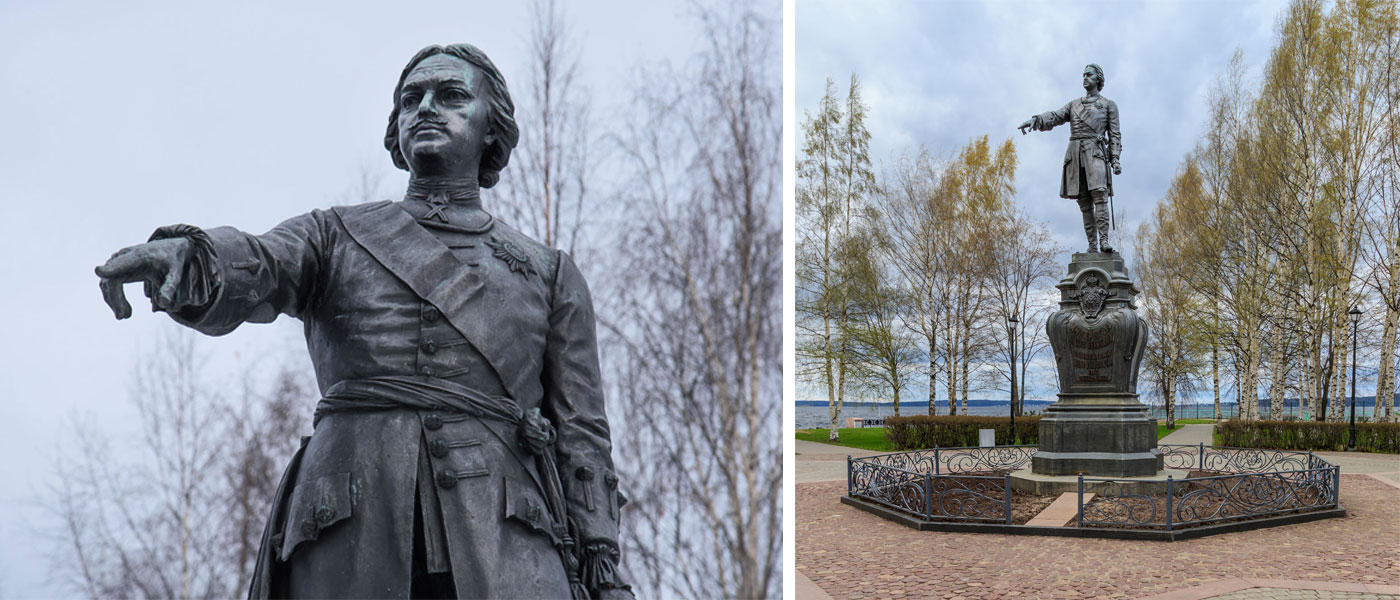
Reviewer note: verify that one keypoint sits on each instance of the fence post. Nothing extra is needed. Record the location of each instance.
(1201, 456)
(1079, 519)
(1336, 484)
(1006, 485)
(937, 468)
(928, 496)
(1169, 503)
(850, 475)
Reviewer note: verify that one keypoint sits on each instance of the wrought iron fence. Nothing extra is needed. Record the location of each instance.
(957, 484)
(1224, 459)
(1251, 483)
(942, 483)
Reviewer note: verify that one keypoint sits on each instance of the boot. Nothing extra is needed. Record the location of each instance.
(1101, 220)
(1090, 227)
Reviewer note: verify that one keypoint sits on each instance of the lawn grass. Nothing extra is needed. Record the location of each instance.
(865, 438)
(1162, 430)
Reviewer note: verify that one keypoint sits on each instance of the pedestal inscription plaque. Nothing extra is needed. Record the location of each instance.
(1098, 426)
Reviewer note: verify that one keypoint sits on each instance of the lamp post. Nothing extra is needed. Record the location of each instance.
(1011, 323)
(1355, 314)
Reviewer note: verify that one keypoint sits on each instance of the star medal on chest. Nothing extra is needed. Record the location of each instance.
(513, 255)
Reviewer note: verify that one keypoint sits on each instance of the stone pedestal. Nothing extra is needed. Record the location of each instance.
(1098, 426)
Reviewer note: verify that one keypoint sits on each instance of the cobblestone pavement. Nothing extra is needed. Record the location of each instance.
(850, 553)
(1285, 594)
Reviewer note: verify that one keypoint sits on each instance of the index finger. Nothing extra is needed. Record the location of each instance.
(123, 266)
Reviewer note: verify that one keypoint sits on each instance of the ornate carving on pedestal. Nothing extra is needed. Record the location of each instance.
(1097, 426)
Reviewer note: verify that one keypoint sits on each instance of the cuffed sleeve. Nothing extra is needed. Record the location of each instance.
(199, 280)
(598, 569)
(233, 277)
(573, 400)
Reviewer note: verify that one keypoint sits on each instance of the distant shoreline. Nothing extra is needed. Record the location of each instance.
(1367, 401)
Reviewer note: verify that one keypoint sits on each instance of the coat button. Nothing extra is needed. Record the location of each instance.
(584, 473)
(611, 480)
(309, 528)
(427, 371)
(437, 448)
(325, 515)
(447, 479)
(431, 314)
(430, 346)
(432, 422)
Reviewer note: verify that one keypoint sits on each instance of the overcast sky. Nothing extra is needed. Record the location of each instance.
(124, 116)
(937, 74)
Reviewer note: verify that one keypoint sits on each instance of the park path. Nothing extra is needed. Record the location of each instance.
(823, 462)
(1191, 435)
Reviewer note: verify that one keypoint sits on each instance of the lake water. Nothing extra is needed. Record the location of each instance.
(816, 417)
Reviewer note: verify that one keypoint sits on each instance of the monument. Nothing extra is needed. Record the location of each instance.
(1098, 426)
(461, 447)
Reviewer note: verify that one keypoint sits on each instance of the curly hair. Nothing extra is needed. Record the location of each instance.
(502, 117)
(1098, 77)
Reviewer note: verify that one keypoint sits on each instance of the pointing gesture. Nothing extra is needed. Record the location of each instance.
(159, 264)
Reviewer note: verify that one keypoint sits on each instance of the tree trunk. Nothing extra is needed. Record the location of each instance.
(1278, 373)
(833, 408)
(1385, 374)
(1170, 397)
(1215, 370)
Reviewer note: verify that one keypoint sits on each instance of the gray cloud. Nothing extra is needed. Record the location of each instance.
(940, 73)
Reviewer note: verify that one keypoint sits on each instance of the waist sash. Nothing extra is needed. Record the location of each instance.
(392, 392)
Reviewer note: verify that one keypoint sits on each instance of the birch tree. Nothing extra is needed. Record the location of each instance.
(694, 320)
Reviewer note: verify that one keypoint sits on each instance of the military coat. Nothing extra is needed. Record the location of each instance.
(1095, 142)
(380, 295)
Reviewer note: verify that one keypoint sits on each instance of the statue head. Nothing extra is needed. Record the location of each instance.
(1093, 74)
(456, 108)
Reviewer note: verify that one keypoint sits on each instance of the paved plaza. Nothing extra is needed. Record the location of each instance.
(844, 552)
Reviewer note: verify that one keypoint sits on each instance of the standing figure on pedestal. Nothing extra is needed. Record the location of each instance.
(461, 447)
(1095, 143)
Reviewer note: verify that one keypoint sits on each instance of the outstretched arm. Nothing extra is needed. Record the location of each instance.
(215, 280)
(1046, 121)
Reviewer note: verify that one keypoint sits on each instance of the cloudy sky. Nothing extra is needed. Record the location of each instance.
(121, 117)
(937, 74)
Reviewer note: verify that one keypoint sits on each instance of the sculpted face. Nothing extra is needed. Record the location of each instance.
(1090, 80)
(444, 118)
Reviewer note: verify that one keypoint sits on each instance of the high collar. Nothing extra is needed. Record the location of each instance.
(459, 192)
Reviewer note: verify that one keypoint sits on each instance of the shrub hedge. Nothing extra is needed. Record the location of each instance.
(1308, 435)
(926, 431)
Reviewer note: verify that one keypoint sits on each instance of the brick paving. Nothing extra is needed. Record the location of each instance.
(850, 553)
(1261, 593)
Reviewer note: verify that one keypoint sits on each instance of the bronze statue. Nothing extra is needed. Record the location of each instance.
(461, 446)
(1095, 143)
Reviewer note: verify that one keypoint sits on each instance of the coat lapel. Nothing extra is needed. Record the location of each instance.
(420, 260)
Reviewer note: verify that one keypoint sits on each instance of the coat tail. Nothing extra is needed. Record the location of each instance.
(269, 577)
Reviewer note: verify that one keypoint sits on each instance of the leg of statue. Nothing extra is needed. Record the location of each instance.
(1101, 218)
(1086, 207)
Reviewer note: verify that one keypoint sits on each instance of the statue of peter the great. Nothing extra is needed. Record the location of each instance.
(1095, 143)
(461, 447)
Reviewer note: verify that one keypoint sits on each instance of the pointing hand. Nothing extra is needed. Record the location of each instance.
(160, 264)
